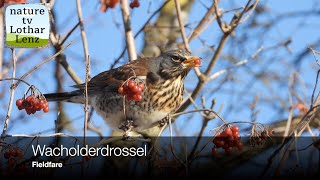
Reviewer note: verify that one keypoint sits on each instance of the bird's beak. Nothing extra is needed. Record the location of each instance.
(192, 61)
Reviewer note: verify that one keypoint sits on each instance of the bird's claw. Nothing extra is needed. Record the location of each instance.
(164, 121)
(126, 126)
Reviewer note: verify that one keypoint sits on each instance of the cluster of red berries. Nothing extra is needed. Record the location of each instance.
(108, 4)
(132, 89)
(32, 104)
(227, 140)
(12, 2)
(14, 155)
(134, 4)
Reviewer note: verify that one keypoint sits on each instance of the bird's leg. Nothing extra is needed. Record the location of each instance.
(126, 126)
(164, 121)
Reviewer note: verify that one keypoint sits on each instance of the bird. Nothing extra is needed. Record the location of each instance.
(163, 80)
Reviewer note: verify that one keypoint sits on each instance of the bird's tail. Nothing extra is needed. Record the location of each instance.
(73, 96)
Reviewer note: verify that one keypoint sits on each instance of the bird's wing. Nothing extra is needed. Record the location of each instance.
(111, 80)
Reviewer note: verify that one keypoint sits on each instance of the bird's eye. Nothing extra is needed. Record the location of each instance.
(175, 58)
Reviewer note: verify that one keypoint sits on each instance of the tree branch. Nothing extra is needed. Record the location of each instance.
(128, 31)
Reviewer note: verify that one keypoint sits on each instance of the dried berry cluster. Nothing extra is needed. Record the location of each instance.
(134, 4)
(132, 89)
(14, 156)
(33, 103)
(259, 138)
(228, 140)
(105, 4)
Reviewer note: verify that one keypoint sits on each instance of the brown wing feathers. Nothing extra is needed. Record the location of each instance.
(106, 81)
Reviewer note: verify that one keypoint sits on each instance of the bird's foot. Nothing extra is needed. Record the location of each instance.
(126, 126)
(164, 121)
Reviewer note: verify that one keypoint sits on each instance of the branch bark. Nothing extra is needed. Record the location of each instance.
(128, 30)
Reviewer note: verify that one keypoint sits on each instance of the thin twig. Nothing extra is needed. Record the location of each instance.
(139, 31)
(86, 54)
(288, 125)
(218, 16)
(6, 121)
(212, 63)
(204, 22)
(313, 103)
(181, 24)
(54, 38)
(250, 13)
(42, 63)
(17, 79)
(200, 110)
(171, 144)
(1, 38)
(128, 30)
(69, 33)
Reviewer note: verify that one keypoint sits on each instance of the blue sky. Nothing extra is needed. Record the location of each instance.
(106, 41)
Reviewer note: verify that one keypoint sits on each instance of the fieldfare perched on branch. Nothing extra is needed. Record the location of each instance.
(139, 94)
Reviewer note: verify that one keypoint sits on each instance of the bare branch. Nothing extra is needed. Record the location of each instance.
(128, 31)
(86, 54)
(181, 25)
(139, 31)
(6, 121)
(203, 24)
(1, 38)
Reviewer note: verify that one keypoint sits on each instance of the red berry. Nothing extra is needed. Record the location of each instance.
(37, 107)
(25, 104)
(42, 104)
(230, 139)
(214, 151)
(235, 129)
(139, 91)
(45, 104)
(228, 150)
(113, 3)
(236, 135)
(223, 134)
(33, 101)
(135, 89)
(228, 132)
(134, 3)
(29, 99)
(19, 153)
(137, 97)
(125, 88)
(240, 146)
(120, 90)
(131, 84)
(33, 110)
(20, 107)
(7, 154)
(131, 5)
(46, 109)
(219, 143)
(141, 85)
(197, 62)
(19, 102)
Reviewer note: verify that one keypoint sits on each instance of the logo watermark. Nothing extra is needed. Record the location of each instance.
(27, 25)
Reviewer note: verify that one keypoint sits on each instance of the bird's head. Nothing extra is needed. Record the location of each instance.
(175, 63)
